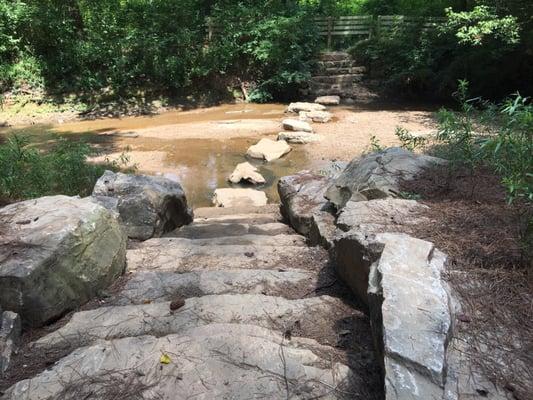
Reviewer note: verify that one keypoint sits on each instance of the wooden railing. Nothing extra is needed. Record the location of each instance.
(344, 26)
(362, 26)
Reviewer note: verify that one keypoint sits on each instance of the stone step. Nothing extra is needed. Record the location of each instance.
(143, 287)
(213, 230)
(185, 255)
(337, 79)
(342, 70)
(314, 317)
(215, 212)
(334, 56)
(323, 65)
(240, 240)
(215, 361)
(251, 219)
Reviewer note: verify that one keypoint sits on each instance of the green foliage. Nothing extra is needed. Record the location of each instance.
(409, 141)
(487, 45)
(503, 140)
(510, 150)
(63, 169)
(270, 46)
(481, 24)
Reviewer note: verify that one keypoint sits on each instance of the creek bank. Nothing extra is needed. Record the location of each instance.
(399, 277)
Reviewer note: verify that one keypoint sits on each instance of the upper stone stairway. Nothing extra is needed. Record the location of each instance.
(337, 74)
(233, 306)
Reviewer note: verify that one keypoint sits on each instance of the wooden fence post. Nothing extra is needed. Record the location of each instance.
(330, 29)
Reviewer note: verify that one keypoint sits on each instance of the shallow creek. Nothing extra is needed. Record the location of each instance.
(200, 148)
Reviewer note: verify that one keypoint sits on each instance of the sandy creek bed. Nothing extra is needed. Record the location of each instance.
(202, 147)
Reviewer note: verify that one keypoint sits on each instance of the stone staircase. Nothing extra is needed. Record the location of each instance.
(234, 306)
(337, 74)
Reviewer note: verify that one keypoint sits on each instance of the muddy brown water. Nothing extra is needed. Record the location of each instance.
(201, 165)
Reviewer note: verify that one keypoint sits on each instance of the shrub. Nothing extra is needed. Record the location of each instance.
(62, 169)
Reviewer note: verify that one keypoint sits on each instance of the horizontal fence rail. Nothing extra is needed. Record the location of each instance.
(363, 26)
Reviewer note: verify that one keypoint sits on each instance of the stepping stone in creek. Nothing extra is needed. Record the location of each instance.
(248, 173)
(297, 107)
(269, 150)
(296, 125)
(299, 137)
(239, 198)
(328, 100)
(316, 116)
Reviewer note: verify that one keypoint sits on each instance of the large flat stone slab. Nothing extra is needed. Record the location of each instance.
(302, 106)
(182, 255)
(379, 216)
(213, 230)
(56, 253)
(144, 287)
(236, 198)
(148, 206)
(216, 361)
(296, 125)
(328, 100)
(158, 319)
(299, 137)
(315, 116)
(269, 150)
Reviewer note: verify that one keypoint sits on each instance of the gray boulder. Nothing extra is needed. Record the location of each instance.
(148, 206)
(10, 331)
(57, 253)
(385, 215)
(303, 205)
(378, 175)
(399, 277)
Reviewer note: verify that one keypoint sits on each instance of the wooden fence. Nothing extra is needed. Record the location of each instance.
(360, 26)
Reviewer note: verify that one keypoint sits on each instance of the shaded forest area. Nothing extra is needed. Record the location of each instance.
(115, 48)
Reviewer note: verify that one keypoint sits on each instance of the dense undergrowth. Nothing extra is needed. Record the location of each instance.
(27, 172)
(94, 51)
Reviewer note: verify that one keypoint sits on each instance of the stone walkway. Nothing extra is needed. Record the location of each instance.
(233, 306)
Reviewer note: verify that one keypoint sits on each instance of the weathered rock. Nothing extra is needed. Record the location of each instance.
(269, 150)
(56, 253)
(315, 116)
(217, 361)
(246, 172)
(399, 277)
(148, 206)
(296, 125)
(301, 106)
(10, 331)
(299, 137)
(214, 230)
(151, 286)
(239, 198)
(328, 100)
(378, 175)
(406, 292)
(115, 322)
(304, 206)
(184, 255)
(378, 216)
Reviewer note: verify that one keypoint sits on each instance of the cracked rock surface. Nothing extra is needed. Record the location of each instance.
(234, 306)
